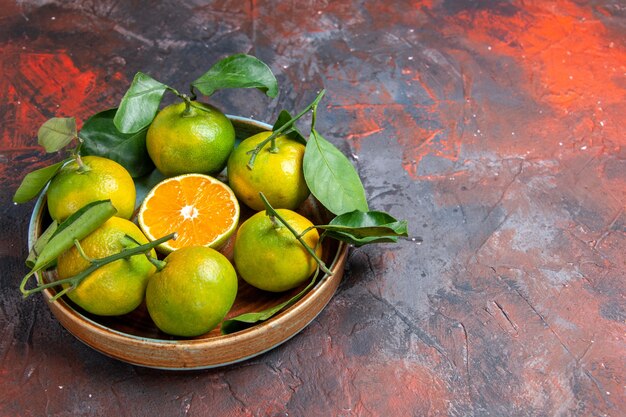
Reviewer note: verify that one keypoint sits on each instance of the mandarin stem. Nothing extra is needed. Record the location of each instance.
(156, 262)
(79, 145)
(62, 293)
(271, 212)
(81, 165)
(97, 263)
(188, 111)
(307, 230)
(81, 252)
(272, 138)
(175, 91)
(273, 147)
(275, 223)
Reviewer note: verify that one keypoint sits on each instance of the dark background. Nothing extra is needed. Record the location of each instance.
(495, 128)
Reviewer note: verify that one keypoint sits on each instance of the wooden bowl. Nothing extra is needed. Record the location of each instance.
(134, 338)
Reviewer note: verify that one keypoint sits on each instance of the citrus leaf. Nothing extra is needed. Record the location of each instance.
(246, 320)
(101, 138)
(40, 243)
(293, 133)
(56, 133)
(238, 71)
(331, 177)
(360, 241)
(361, 228)
(368, 223)
(75, 227)
(140, 104)
(35, 181)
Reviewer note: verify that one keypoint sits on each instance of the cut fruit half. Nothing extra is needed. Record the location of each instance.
(202, 210)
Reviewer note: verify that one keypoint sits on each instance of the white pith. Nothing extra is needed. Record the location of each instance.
(189, 212)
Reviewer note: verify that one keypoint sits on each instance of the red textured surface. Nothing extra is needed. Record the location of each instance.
(495, 128)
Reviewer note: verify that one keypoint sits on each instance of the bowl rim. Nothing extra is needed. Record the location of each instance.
(268, 332)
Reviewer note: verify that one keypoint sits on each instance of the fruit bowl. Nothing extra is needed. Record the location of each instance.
(134, 339)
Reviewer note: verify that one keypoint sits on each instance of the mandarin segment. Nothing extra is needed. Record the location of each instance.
(202, 210)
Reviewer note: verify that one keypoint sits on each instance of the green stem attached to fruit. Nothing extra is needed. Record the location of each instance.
(272, 138)
(82, 167)
(159, 264)
(95, 264)
(186, 99)
(81, 252)
(307, 230)
(273, 214)
(131, 242)
(188, 112)
(275, 222)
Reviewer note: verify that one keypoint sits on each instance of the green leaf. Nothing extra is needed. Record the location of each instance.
(75, 227)
(238, 71)
(360, 241)
(40, 243)
(101, 137)
(140, 104)
(331, 177)
(56, 133)
(35, 181)
(360, 228)
(246, 320)
(293, 133)
(368, 222)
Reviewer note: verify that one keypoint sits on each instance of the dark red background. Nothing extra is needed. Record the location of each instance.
(495, 128)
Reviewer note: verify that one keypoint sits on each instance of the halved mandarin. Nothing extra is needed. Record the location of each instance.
(202, 210)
